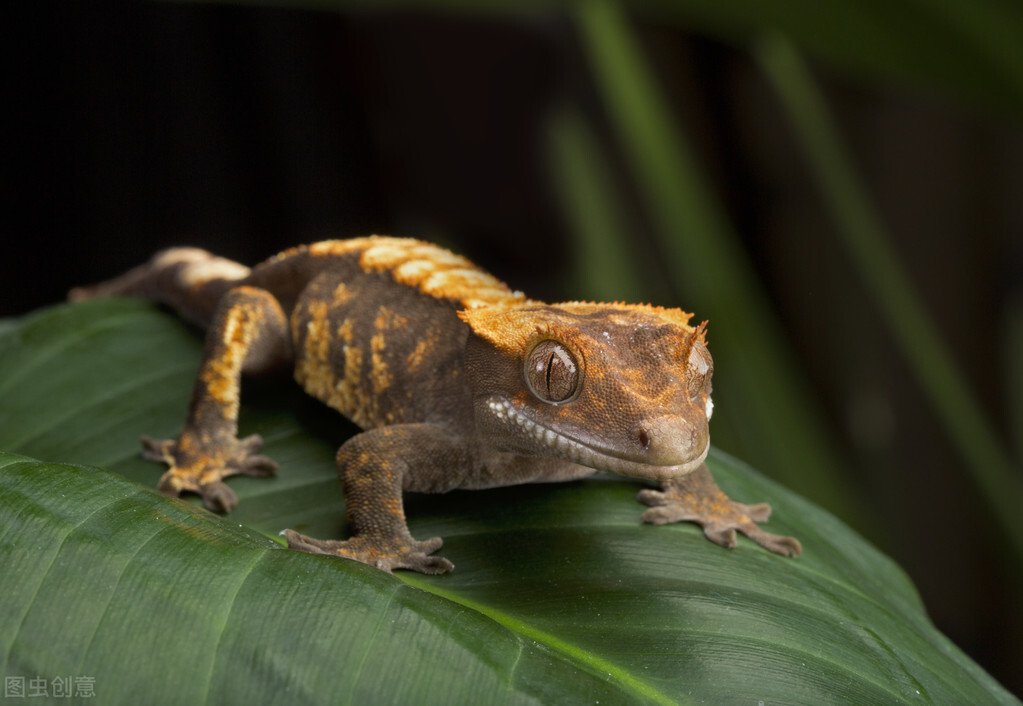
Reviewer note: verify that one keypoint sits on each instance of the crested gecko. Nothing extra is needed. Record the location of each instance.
(456, 380)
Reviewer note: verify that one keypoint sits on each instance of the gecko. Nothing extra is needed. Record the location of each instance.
(455, 380)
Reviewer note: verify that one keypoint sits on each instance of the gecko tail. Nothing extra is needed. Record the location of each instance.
(189, 280)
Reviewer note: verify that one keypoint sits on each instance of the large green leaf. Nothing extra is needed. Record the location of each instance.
(559, 594)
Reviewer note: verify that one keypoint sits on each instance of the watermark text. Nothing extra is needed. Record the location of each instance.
(62, 687)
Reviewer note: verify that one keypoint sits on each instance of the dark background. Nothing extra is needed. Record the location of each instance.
(246, 131)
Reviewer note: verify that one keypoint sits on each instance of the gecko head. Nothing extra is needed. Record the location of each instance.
(615, 387)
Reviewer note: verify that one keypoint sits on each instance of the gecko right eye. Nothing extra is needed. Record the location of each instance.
(552, 372)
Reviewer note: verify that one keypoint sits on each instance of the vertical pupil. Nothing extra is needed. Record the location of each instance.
(551, 372)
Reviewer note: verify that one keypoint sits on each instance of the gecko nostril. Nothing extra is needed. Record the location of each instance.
(643, 438)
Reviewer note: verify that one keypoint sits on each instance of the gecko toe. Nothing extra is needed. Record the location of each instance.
(664, 514)
(779, 544)
(258, 466)
(161, 450)
(218, 497)
(760, 512)
(724, 536)
(429, 546)
(428, 565)
(250, 444)
(310, 545)
(653, 498)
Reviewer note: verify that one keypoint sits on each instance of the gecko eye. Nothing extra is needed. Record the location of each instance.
(552, 371)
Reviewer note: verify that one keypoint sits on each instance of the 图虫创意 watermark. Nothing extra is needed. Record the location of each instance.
(61, 687)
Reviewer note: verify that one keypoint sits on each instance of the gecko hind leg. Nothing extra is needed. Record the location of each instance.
(249, 333)
(695, 497)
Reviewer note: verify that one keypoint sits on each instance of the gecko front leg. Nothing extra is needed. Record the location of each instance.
(248, 333)
(695, 497)
(375, 467)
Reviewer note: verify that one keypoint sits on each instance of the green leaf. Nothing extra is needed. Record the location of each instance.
(559, 593)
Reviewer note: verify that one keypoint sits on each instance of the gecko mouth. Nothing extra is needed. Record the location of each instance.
(586, 453)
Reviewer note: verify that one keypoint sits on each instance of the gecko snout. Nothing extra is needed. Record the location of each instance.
(671, 440)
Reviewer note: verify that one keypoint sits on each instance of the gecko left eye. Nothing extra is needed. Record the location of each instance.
(552, 372)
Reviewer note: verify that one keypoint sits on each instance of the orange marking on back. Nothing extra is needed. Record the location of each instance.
(418, 356)
(430, 269)
(342, 294)
(380, 372)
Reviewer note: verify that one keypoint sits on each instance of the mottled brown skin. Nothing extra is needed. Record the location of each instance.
(457, 381)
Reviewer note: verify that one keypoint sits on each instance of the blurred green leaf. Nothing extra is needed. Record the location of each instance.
(610, 260)
(968, 49)
(864, 236)
(559, 594)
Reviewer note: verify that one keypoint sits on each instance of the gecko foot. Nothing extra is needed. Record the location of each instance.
(697, 498)
(201, 468)
(383, 553)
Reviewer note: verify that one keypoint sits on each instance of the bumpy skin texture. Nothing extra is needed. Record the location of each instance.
(457, 381)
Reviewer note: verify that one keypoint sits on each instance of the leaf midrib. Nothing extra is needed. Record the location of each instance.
(627, 681)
